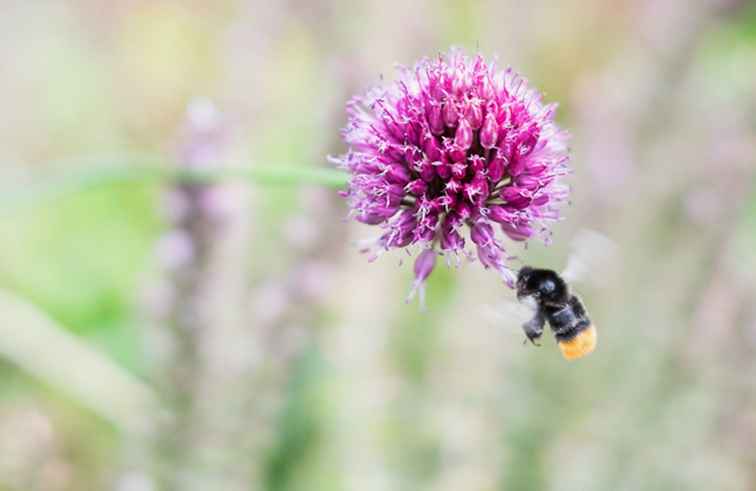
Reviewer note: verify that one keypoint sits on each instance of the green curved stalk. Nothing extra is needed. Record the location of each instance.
(107, 389)
(151, 168)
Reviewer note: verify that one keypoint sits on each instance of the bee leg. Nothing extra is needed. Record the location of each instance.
(534, 328)
(532, 340)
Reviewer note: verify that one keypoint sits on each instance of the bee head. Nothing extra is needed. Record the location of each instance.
(541, 284)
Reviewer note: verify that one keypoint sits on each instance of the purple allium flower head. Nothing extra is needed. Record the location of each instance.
(454, 148)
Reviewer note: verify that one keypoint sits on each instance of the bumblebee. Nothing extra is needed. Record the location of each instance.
(549, 296)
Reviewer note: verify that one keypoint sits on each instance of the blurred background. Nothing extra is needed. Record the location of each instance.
(161, 336)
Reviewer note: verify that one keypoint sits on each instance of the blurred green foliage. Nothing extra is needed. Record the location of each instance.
(82, 258)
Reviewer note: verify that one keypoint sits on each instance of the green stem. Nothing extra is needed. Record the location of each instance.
(151, 168)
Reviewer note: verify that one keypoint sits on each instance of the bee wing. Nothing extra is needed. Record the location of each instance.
(592, 255)
(509, 313)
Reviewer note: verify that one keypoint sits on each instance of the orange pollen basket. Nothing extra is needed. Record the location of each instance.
(580, 345)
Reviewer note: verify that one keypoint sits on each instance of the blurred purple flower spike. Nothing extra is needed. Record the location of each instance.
(454, 145)
(202, 136)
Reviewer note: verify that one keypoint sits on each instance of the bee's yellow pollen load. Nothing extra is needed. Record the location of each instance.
(580, 345)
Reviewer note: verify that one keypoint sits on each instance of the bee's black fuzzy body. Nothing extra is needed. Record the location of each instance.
(554, 304)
